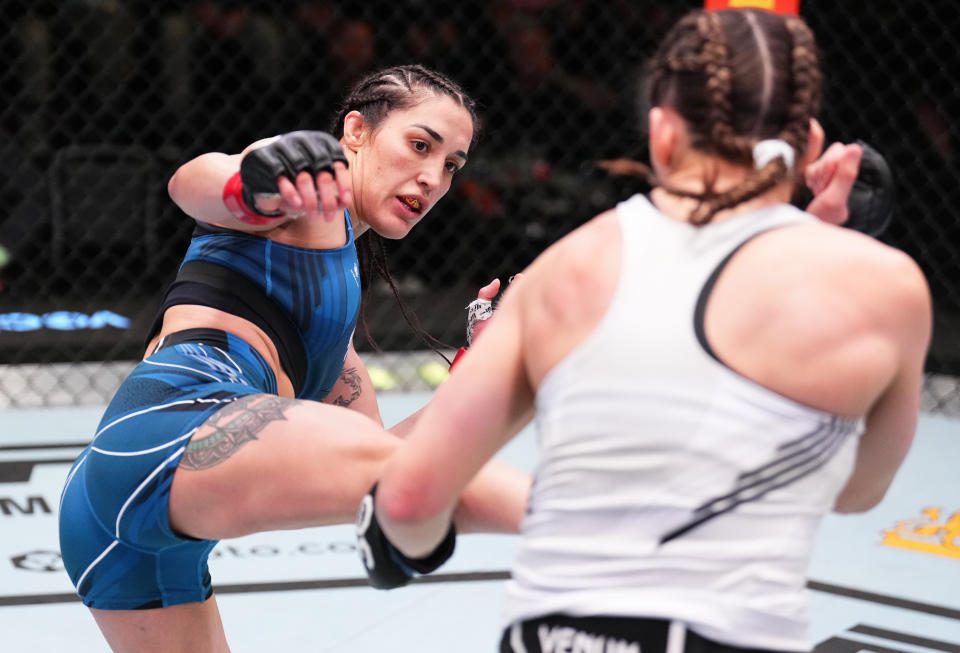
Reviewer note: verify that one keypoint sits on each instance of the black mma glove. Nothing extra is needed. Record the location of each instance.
(388, 568)
(871, 202)
(287, 156)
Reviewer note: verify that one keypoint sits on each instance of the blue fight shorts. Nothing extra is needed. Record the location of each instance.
(115, 535)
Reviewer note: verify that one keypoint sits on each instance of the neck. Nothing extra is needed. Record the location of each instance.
(358, 225)
(692, 176)
(353, 212)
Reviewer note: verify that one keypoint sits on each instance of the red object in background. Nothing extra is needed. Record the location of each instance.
(777, 6)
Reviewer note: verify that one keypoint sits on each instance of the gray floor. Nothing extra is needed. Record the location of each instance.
(304, 591)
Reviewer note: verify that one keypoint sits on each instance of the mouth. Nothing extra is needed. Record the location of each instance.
(411, 204)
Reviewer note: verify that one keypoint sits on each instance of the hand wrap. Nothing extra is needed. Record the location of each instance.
(871, 202)
(287, 156)
(387, 567)
(477, 311)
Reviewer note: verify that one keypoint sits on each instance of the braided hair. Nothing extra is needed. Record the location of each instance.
(375, 96)
(738, 77)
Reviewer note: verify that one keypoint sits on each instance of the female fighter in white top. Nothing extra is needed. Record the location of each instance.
(711, 370)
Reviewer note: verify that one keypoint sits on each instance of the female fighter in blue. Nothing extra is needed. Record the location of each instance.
(251, 410)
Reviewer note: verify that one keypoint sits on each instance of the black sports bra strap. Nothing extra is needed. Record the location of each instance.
(699, 312)
(216, 286)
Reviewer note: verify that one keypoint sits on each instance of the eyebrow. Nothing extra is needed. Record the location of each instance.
(438, 138)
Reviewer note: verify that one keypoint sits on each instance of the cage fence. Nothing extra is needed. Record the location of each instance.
(106, 98)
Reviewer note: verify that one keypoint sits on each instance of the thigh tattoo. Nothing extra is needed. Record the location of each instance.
(233, 426)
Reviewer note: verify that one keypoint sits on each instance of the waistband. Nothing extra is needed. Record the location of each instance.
(631, 633)
(243, 353)
(205, 283)
(206, 336)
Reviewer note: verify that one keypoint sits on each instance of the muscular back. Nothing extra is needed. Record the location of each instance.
(826, 317)
(819, 314)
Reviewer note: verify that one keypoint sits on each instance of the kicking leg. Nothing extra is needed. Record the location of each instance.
(268, 463)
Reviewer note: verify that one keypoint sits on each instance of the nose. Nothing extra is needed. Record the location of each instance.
(430, 178)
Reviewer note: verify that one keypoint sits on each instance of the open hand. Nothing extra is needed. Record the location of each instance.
(830, 178)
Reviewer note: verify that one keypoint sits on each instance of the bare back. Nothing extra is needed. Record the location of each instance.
(808, 311)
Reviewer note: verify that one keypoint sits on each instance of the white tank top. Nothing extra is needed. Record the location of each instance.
(669, 486)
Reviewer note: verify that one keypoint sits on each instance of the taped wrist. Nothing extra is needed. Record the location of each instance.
(458, 357)
(234, 200)
(386, 566)
(477, 311)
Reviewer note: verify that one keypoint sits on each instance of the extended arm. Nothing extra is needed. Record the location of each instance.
(270, 182)
(892, 420)
(483, 404)
(474, 328)
(197, 188)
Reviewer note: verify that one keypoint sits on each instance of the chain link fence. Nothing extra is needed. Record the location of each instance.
(105, 98)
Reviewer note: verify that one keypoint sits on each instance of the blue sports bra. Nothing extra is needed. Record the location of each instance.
(305, 300)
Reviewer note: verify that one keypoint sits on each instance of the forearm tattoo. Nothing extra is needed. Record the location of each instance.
(231, 427)
(351, 378)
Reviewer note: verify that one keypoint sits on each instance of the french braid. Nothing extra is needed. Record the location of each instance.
(701, 72)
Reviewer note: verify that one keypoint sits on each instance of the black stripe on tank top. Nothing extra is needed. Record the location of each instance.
(755, 484)
(812, 443)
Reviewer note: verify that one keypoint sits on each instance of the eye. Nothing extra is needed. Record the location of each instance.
(420, 146)
(452, 167)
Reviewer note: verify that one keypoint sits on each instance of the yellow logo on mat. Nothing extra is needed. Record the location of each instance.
(927, 534)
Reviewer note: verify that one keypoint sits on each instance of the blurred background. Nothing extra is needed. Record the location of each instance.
(103, 99)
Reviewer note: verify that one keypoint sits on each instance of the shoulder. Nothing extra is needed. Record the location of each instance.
(821, 314)
(855, 264)
(856, 279)
(565, 293)
(582, 247)
(577, 274)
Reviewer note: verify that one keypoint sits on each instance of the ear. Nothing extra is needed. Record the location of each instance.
(814, 144)
(664, 134)
(354, 130)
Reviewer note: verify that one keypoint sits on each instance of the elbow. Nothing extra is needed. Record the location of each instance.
(174, 185)
(862, 501)
(406, 506)
(863, 492)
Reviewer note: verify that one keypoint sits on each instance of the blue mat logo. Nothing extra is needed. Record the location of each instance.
(62, 321)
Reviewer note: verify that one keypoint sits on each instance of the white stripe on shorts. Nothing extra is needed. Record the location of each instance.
(676, 637)
(516, 639)
(150, 409)
(94, 563)
(156, 471)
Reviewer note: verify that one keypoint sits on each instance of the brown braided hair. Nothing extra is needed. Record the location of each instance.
(375, 96)
(736, 77)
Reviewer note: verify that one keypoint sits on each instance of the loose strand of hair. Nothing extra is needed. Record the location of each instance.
(372, 255)
(375, 96)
